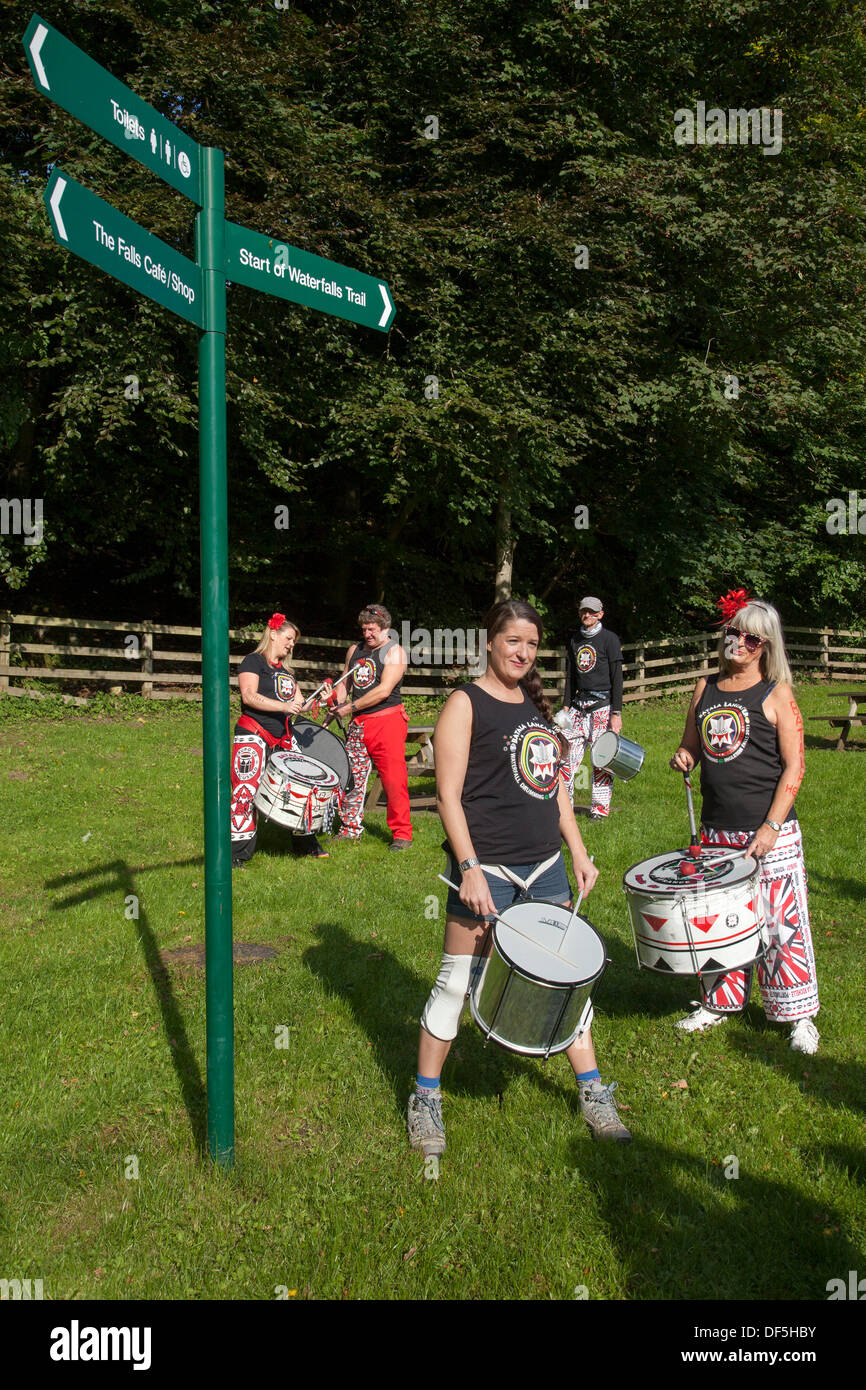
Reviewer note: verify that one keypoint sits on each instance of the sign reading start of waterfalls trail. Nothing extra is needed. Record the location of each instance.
(98, 233)
(266, 263)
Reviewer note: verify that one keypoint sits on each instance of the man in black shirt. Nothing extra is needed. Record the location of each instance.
(593, 697)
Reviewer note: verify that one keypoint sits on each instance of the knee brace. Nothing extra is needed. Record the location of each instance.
(441, 1016)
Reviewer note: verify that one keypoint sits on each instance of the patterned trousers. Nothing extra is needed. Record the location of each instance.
(584, 730)
(786, 974)
(250, 756)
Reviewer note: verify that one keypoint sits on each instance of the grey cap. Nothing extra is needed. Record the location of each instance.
(594, 605)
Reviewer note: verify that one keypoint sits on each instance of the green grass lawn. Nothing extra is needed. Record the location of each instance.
(104, 1058)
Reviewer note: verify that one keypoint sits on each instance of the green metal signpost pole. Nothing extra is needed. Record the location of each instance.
(210, 258)
(94, 230)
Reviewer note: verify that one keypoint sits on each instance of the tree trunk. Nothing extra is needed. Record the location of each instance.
(505, 544)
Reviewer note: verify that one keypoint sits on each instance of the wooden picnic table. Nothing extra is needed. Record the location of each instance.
(845, 721)
(419, 762)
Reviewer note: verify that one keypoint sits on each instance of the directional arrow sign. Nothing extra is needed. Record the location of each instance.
(66, 75)
(266, 263)
(97, 232)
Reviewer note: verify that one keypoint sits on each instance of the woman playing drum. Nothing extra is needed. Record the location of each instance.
(745, 728)
(269, 695)
(503, 801)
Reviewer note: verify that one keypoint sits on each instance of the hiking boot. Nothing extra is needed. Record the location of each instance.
(804, 1036)
(344, 838)
(598, 1108)
(400, 844)
(699, 1021)
(424, 1122)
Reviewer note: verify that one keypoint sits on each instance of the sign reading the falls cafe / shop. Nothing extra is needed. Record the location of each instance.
(266, 263)
(74, 81)
(98, 233)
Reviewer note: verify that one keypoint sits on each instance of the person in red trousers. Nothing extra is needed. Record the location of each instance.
(377, 733)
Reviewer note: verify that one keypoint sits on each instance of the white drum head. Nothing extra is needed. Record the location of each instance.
(604, 749)
(298, 767)
(530, 934)
(669, 873)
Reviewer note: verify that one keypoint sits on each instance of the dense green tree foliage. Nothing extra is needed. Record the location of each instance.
(694, 378)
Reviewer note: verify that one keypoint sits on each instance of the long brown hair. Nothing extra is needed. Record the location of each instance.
(515, 610)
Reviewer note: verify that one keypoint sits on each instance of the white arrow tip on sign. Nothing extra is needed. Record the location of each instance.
(388, 307)
(35, 48)
(55, 206)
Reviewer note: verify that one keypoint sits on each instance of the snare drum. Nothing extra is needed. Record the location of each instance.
(297, 791)
(689, 923)
(613, 753)
(532, 993)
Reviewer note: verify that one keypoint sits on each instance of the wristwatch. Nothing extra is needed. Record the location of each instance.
(774, 825)
(468, 864)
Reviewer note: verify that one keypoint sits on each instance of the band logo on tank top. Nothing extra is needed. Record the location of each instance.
(536, 755)
(284, 686)
(586, 658)
(365, 676)
(724, 732)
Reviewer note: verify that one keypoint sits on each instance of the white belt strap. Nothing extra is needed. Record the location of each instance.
(500, 871)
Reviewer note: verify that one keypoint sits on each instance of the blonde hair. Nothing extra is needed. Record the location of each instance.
(760, 620)
(269, 632)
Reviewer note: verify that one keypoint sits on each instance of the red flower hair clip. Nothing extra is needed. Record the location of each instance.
(730, 603)
(276, 621)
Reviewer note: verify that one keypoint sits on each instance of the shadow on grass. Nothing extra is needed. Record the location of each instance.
(682, 1230)
(117, 876)
(836, 1083)
(387, 999)
(851, 888)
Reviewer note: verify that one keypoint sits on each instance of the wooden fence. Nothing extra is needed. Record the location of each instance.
(162, 663)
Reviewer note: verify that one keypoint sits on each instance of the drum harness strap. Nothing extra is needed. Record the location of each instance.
(500, 871)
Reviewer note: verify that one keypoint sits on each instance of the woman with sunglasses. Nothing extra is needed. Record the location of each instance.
(746, 731)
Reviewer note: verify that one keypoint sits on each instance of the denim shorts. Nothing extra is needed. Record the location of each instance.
(552, 886)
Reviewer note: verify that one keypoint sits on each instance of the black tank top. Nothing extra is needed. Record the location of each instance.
(512, 779)
(740, 760)
(370, 674)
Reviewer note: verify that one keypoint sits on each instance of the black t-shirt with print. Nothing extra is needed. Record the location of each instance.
(512, 779)
(594, 664)
(276, 683)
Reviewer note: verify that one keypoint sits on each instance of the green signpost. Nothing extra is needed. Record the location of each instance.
(68, 77)
(98, 233)
(265, 263)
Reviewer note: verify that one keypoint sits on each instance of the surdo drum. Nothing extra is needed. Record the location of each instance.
(298, 791)
(691, 916)
(613, 753)
(532, 993)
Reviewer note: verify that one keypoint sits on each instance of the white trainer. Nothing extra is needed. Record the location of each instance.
(700, 1021)
(804, 1036)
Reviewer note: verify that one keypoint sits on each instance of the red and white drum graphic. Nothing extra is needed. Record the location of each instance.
(297, 791)
(689, 916)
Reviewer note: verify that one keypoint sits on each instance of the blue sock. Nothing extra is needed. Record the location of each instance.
(585, 1077)
(429, 1083)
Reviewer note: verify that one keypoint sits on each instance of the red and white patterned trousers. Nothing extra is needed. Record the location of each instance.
(583, 730)
(786, 974)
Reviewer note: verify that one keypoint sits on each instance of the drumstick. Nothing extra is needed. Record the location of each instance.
(695, 846)
(345, 676)
(573, 912)
(540, 944)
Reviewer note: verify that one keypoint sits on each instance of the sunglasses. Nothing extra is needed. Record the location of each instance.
(752, 642)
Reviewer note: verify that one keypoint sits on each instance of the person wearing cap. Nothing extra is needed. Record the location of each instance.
(592, 701)
(377, 733)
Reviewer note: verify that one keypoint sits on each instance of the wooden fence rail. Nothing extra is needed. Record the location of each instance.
(651, 667)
